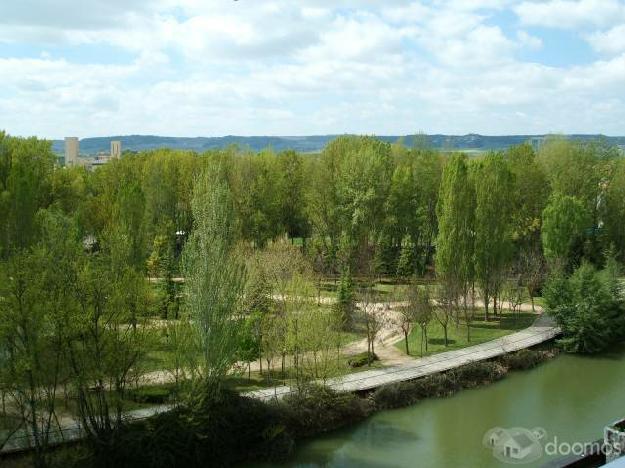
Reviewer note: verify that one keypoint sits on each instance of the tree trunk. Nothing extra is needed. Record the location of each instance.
(406, 342)
(445, 333)
(486, 301)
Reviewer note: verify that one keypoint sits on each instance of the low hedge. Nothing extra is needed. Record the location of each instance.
(471, 375)
(526, 358)
(153, 394)
(319, 409)
(362, 359)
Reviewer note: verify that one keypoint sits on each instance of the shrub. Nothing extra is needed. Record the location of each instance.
(225, 431)
(394, 395)
(477, 373)
(152, 394)
(437, 385)
(407, 393)
(362, 359)
(524, 359)
(320, 409)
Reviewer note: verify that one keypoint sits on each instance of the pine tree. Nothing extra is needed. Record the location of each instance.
(405, 265)
(344, 307)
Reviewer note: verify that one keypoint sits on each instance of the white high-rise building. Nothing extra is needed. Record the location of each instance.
(116, 149)
(71, 151)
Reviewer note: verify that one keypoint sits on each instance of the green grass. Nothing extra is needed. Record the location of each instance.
(481, 332)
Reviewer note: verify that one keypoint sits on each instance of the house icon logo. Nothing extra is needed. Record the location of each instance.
(516, 445)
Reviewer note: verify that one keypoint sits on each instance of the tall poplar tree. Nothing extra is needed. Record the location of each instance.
(456, 237)
(493, 242)
(214, 279)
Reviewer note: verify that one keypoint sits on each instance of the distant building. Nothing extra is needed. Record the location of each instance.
(116, 149)
(71, 151)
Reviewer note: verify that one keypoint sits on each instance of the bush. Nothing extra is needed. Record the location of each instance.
(394, 395)
(228, 430)
(320, 409)
(524, 359)
(477, 373)
(402, 394)
(156, 395)
(362, 359)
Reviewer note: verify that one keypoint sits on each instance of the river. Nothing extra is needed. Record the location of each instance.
(570, 397)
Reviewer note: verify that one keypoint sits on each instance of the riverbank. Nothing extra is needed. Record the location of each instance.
(542, 330)
(245, 429)
(572, 398)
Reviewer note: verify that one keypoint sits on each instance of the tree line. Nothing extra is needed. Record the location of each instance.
(87, 259)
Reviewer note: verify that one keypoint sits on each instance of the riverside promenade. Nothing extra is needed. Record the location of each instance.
(543, 329)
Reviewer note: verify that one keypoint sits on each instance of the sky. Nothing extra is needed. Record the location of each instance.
(305, 67)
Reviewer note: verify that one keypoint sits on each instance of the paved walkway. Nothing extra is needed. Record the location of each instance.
(542, 330)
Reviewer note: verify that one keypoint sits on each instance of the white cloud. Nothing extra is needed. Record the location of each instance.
(570, 14)
(200, 67)
(609, 42)
(527, 40)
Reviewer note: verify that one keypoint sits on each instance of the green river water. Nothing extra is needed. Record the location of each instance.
(570, 397)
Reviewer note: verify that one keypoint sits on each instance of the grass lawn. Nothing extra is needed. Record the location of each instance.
(481, 332)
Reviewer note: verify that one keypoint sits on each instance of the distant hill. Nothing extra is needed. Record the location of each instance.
(309, 143)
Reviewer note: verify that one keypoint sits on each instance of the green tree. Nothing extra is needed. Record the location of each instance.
(529, 195)
(455, 243)
(420, 309)
(214, 280)
(35, 301)
(614, 212)
(107, 340)
(406, 263)
(493, 236)
(293, 208)
(345, 301)
(348, 194)
(588, 306)
(26, 166)
(564, 220)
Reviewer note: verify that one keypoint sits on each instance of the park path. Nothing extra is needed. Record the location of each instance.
(389, 334)
(543, 329)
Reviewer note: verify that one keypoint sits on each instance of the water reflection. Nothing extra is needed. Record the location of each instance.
(571, 397)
